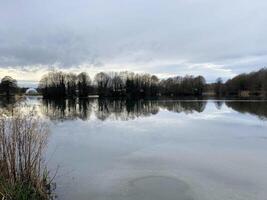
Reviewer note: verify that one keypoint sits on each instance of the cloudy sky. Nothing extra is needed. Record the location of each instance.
(163, 37)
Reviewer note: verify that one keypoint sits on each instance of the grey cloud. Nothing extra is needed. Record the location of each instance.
(72, 33)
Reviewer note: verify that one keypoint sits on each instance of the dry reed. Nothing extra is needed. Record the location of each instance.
(23, 138)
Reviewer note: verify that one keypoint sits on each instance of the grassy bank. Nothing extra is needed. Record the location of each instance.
(23, 175)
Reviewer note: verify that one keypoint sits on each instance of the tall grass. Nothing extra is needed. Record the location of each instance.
(23, 176)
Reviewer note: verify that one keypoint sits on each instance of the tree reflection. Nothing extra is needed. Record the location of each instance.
(185, 106)
(69, 109)
(8, 103)
(218, 104)
(258, 108)
(103, 109)
(125, 110)
(114, 109)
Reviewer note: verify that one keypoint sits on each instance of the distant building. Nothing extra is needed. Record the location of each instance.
(31, 91)
(244, 93)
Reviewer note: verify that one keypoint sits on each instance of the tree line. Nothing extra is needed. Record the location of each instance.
(246, 84)
(65, 85)
(57, 84)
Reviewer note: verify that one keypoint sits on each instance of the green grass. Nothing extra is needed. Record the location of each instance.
(21, 191)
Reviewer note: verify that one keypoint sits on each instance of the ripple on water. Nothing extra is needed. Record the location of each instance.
(158, 188)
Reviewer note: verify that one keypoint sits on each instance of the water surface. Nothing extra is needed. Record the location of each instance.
(157, 150)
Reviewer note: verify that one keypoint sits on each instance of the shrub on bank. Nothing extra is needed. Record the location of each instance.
(23, 175)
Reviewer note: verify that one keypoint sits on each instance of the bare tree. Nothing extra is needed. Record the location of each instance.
(84, 84)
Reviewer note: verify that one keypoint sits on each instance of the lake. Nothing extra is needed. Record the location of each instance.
(156, 150)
